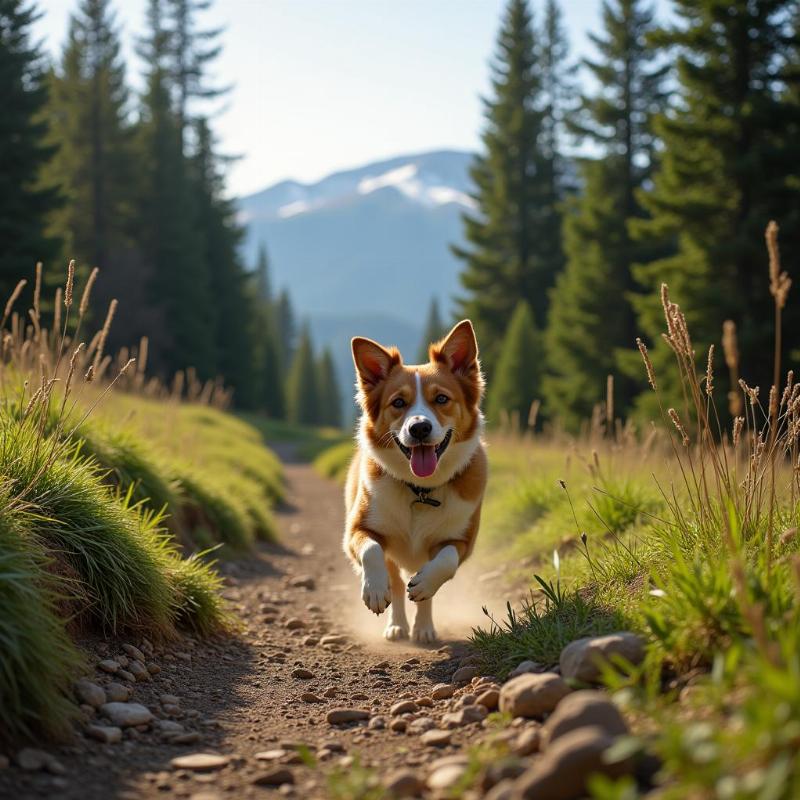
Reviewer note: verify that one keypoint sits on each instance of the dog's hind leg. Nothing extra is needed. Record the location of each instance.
(424, 632)
(397, 626)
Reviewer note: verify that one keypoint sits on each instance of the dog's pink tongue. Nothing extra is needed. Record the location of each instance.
(423, 460)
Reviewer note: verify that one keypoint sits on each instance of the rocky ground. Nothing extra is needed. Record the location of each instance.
(308, 702)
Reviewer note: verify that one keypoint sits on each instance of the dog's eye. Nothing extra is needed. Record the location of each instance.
(441, 399)
(398, 402)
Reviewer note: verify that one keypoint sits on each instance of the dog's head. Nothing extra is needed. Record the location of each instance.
(418, 418)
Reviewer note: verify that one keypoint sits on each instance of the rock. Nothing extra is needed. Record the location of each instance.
(465, 716)
(139, 671)
(200, 762)
(303, 582)
(169, 700)
(310, 697)
(89, 693)
(134, 652)
(424, 702)
(333, 638)
(169, 726)
(109, 665)
(500, 770)
(489, 699)
(153, 668)
(107, 734)
(466, 700)
(310, 641)
(502, 791)
(377, 723)
(526, 667)
(562, 772)
(274, 777)
(117, 693)
(185, 738)
(436, 738)
(398, 725)
(582, 658)
(302, 673)
(403, 707)
(403, 783)
(126, 675)
(271, 755)
(126, 715)
(532, 695)
(445, 773)
(465, 674)
(582, 710)
(420, 725)
(443, 691)
(341, 716)
(294, 624)
(528, 742)
(32, 760)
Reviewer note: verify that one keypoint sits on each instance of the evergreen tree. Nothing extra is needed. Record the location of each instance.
(264, 284)
(25, 204)
(591, 318)
(434, 330)
(516, 382)
(731, 163)
(302, 398)
(330, 399)
(512, 249)
(87, 112)
(284, 328)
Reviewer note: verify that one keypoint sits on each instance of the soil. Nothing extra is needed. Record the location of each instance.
(243, 696)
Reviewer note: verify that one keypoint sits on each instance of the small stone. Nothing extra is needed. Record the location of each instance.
(342, 716)
(310, 697)
(466, 700)
(465, 674)
(169, 726)
(139, 671)
(526, 667)
(107, 734)
(153, 668)
(331, 691)
(192, 737)
(527, 743)
(562, 772)
(200, 762)
(581, 710)
(32, 760)
(436, 738)
(333, 638)
(424, 702)
(403, 783)
(502, 769)
(126, 676)
(294, 624)
(302, 673)
(274, 777)
(532, 695)
(398, 725)
(271, 755)
(417, 726)
(134, 652)
(169, 700)
(126, 715)
(310, 641)
(489, 699)
(446, 776)
(377, 723)
(117, 693)
(89, 693)
(583, 658)
(109, 665)
(465, 716)
(403, 707)
(442, 691)
(303, 582)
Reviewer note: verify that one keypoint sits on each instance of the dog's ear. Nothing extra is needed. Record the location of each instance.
(459, 349)
(373, 362)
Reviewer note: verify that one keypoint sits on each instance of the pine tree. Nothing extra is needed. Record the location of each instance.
(25, 204)
(302, 398)
(264, 283)
(512, 249)
(731, 163)
(434, 330)
(516, 382)
(591, 318)
(330, 399)
(284, 328)
(87, 113)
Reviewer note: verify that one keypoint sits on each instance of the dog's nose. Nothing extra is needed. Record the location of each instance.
(420, 429)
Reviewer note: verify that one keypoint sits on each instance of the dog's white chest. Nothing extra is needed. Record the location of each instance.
(411, 528)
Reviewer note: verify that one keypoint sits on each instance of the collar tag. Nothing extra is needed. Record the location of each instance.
(423, 496)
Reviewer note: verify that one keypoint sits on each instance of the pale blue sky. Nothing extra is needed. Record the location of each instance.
(320, 85)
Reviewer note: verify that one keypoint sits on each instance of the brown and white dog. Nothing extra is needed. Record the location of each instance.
(415, 486)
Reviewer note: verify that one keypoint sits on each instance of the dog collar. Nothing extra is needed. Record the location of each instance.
(423, 496)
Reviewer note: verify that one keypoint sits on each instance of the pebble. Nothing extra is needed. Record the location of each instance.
(274, 777)
(126, 676)
(139, 671)
(303, 582)
(436, 738)
(377, 723)
(581, 710)
(89, 693)
(465, 716)
(126, 715)
(398, 725)
(168, 726)
(420, 725)
(527, 743)
(443, 691)
(532, 695)
(583, 658)
(294, 624)
(310, 697)
(446, 775)
(109, 665)
(465, 674)
(200, 762)
(107, 734)
(341, 716)
(192, 737)
(403, 707)
(489, 699)
(333, 638)
(303, 673)
(117, 693)
(31, 760)
(271, 755)
(169, 700)
(134, 652)
(526, 667)
(403, 783)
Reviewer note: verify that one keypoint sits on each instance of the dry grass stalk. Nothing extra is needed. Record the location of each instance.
(87, 292)
(676, 421)
(610, 405)
(651, 375)
(710, 372)
(98, 356)
(70, 284)
(11, 300)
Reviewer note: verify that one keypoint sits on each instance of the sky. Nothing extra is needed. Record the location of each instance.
(323, 85)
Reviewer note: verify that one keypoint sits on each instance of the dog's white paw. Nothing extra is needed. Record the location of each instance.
(424, 633)
(394, 633)
(424, 585)
(375, 590)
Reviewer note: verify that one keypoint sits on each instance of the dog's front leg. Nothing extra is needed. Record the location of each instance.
(375, 589)
(440, 569)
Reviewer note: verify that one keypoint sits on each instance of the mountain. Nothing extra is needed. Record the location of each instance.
(363, 251)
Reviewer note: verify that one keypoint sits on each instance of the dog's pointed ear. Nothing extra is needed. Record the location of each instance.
(373, 362)
(459, 349)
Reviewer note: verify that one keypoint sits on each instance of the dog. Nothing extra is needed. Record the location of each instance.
(415, 485)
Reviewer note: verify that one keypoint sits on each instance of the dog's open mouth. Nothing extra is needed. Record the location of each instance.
(423, 458)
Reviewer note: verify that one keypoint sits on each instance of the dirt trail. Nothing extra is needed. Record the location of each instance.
(244, 696)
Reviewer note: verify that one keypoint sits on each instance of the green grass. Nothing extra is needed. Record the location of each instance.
(309, 441)
(333, 462)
